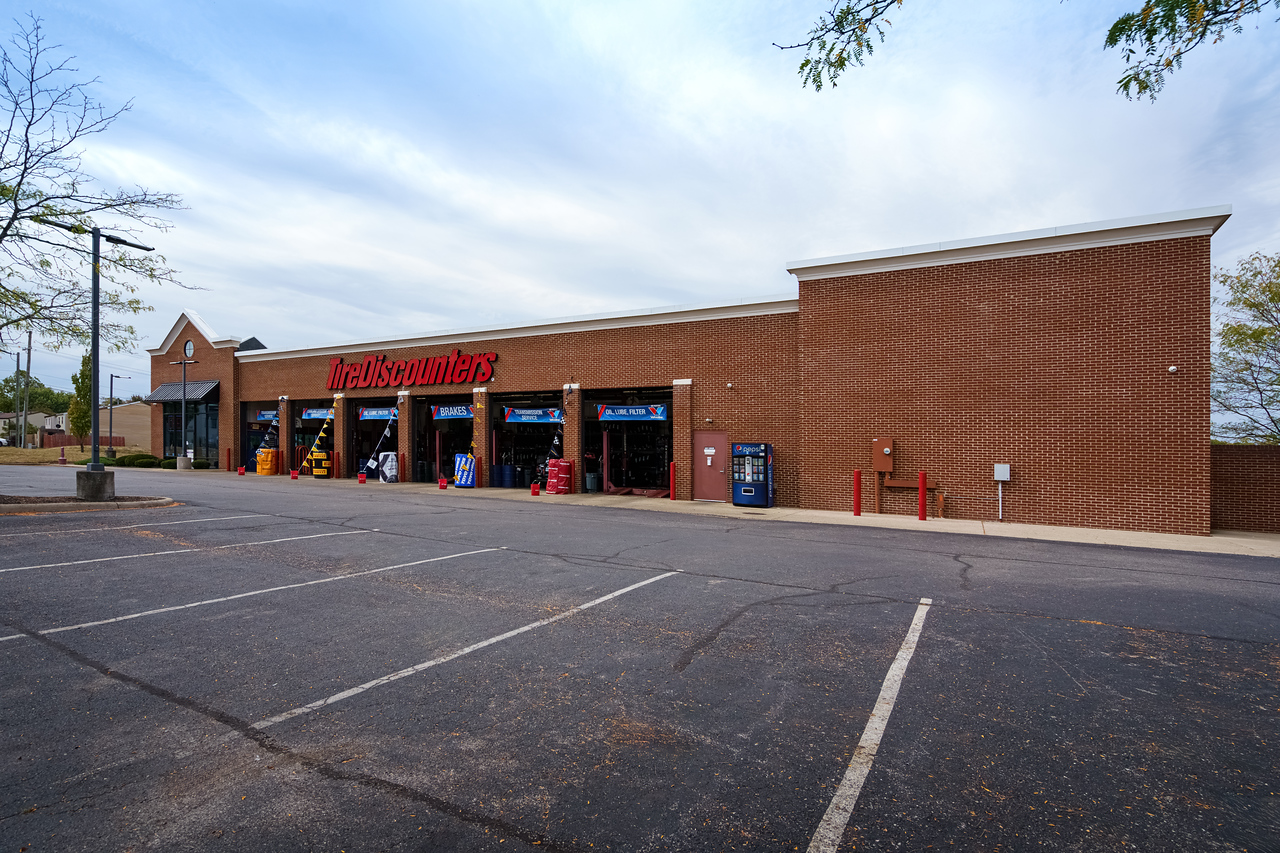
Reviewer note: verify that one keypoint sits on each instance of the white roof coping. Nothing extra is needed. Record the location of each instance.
(778, 304)
(202, 327)
(1202, 221)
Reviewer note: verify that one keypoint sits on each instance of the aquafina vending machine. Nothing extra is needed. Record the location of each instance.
(752, 474)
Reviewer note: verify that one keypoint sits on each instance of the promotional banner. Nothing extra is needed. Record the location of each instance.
(264, 415)
(317, 414)
(390, 416)
(534, 416)
(632, 413)
(444, 413)
(464, 470)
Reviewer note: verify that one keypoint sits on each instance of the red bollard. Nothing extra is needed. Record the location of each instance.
(293, 475)
(361, 477)
(533, 490)
(671, 481)
(857, 491)
(240, 471)
(924, 495)
(444, 484)
(402, 475)
(228, 458)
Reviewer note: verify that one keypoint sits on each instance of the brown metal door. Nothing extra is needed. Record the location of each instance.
(710, 465)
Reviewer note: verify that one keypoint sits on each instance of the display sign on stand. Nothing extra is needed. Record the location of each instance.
(464, 470)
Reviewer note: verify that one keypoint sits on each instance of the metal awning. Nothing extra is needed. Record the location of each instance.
(171, 392)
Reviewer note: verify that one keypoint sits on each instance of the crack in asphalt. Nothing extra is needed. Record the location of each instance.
(964, 573)
(686, 657)
(269, 744)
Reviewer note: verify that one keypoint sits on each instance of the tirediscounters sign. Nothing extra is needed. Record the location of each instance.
(631, 413)
(378, 371)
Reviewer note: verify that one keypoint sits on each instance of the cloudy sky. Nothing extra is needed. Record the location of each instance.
(393, 168)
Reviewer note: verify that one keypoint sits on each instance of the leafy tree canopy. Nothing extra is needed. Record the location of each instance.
(1246, 366)
(46, 116)
(1153, 40)
(43, 398)
(80, 413)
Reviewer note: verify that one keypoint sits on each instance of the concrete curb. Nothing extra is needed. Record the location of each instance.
(36, 509)
(1241, 543)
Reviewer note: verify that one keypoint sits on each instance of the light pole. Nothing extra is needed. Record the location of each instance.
(184, 364)
(111, 413)
(98, 237)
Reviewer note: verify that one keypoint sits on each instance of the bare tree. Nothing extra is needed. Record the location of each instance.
(46, 116)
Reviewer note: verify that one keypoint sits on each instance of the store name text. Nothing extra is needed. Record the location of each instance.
(378, 371)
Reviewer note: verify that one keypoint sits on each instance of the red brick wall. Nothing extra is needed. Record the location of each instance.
(1246, 483)
(214, 363)
(1056, 364)
(754, 354)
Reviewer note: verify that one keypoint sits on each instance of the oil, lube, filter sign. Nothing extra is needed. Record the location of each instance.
(631, 413)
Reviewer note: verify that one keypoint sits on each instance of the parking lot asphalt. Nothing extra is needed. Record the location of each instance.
(303, 665)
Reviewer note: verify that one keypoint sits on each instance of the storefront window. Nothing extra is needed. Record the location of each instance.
(202, 430)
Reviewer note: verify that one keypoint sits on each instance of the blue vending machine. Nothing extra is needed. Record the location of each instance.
(752, 475)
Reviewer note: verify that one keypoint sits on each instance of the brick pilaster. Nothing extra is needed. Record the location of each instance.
(571, 405)
(341, 436)
(404, 436)
(480, 435)
(284, 415)
(682, 436)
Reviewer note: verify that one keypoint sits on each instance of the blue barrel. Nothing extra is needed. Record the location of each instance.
(508, 476)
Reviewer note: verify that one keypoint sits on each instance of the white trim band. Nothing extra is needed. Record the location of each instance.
(1201, 222)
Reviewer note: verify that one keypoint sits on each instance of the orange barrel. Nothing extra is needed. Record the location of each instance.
(267, 460)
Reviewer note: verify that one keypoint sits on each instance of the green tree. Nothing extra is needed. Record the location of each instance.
(1153, 40)
(1246, 365)
(43, 398)
(46, 116)
(80, 413)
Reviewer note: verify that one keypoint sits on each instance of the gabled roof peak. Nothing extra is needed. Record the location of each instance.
(205, 330)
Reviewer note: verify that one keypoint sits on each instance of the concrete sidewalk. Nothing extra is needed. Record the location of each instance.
(1220, 542)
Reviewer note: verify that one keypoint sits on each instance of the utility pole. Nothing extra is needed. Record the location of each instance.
(26, 395)
(17, 375)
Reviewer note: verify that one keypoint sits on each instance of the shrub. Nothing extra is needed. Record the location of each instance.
(170, 464)
(202, 464)
(131, 460)
(148, 462)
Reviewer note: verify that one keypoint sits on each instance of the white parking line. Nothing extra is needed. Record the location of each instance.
(181, 551)
(833, 824)
(99, 560)
(413, 670)
(244, 595)
(127, 526)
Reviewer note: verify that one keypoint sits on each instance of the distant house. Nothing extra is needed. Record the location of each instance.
(10, 423)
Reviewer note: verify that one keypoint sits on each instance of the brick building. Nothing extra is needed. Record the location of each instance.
(1078, 356)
